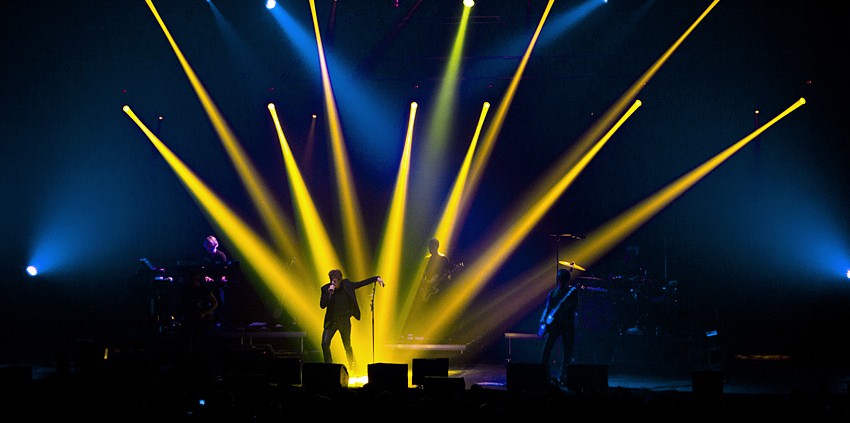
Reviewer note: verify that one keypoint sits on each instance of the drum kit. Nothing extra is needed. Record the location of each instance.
(625, 302)
(630, 304)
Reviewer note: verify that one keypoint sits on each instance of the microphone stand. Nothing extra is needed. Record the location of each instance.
(372, 309)
(557, 252)
(557, 259)
(558, 247)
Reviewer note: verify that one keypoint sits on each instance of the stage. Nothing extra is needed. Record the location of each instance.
(652, 363)
(255, 380)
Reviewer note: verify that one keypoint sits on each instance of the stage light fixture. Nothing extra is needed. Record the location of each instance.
(32, 271)
(469, 3)
(270, 4)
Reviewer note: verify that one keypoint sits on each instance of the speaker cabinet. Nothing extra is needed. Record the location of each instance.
(323, 376)
(387, 376)
(444, 385)
(16, 385)
(526, 376)
(285, 370)
(707, 384)
(14, 377)
(587, 377)
(253, 359)
(424, 367)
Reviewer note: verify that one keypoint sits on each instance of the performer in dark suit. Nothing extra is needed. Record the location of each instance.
(558, 321)
(340, 304)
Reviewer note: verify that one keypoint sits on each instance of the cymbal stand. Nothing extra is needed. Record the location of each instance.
(558, 248)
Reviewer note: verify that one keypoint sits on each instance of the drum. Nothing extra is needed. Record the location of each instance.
(597, 312)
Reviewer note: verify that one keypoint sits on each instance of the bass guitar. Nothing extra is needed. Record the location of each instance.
(544, 324)
(432, 285)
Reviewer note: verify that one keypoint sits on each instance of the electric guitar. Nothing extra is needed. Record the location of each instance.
(544, 325)
(431, 285)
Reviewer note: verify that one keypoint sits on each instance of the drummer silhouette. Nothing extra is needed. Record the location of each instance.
(629, 277)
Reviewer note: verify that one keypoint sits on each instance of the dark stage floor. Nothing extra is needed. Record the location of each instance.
(654, 362)
(656, 375)
(747, 376)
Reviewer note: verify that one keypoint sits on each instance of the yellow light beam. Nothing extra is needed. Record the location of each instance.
(273, 217)
(448, 219)
(435, 143)
(496, 249)
(599, 241)
(588, 139)
(263, 259)
(530, 288)
(390, 257)
(599, 127)
(443, 231)
(488, 143)
(444, 106)
(323, 255)
(352, 219)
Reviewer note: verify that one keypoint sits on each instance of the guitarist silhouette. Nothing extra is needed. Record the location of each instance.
(438, 271)
(436, 274)
(558, 321)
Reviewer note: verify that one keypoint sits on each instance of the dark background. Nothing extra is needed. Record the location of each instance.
(759, 247)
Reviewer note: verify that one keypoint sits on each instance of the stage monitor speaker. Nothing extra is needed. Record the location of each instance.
(16, 385)
(424, 367)
(444, 385)
(13, 377)
(323, 376)
(285, 370)
(526, 376)
(587, 377)
(387, 376)
(250, 359)
(707, 384)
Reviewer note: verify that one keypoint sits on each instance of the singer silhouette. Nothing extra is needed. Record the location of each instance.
(340, 304)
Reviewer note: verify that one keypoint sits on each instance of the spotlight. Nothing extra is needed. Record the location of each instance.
(469, 3)
(32, 271)
(270, 4)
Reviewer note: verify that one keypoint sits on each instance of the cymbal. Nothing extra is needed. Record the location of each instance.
(589, 278)
(571, 265)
